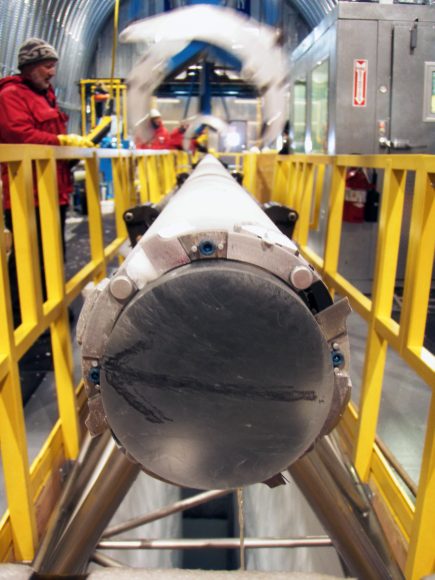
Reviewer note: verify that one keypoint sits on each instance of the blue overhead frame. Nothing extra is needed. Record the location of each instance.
(205, 93)
(194, 50)
(272, 12)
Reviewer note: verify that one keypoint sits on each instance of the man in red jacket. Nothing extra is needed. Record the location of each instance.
(160, 135)
(29, 114)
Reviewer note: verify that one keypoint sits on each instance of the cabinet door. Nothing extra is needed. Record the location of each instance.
(412, 54)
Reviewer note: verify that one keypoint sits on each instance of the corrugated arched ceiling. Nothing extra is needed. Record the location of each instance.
(73, 27)
(313, 11)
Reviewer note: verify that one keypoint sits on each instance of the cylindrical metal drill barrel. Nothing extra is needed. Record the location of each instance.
(214, 372)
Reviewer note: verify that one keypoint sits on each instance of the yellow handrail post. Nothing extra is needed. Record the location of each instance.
(393, 196)
(419, 262)
(279, 180)
(249, 172)
(94, 220)
(153, 179)
(13, 431)
(334, 223)
(120, 194)
(25, 245)
(83, 106)
(60, 331)
(143, 181)
(421, 554)
(319, 184)
(304, 206)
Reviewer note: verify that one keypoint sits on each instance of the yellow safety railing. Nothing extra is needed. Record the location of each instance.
(300, 181)
(31, 490)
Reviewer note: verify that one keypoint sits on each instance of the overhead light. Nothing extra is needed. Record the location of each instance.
(241, 101)
(168, 100)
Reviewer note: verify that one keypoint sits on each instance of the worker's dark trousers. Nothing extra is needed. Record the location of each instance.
(12, 266)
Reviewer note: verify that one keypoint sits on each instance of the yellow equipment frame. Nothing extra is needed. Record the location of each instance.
(117, 89)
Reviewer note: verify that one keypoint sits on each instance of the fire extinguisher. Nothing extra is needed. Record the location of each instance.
(355, 196)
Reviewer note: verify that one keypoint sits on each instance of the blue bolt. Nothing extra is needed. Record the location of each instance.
(337, 358)
(94, 375)
(207, 248)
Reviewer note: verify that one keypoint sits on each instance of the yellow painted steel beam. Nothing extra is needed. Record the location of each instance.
(359, 302)
(4, 365)
(94, 212)
(63, 370)
(16, 466)
(280, 180)
(118, 115)
(249, 172)
(303, 205)
(419, 266)
(318, 194)
(6, 540)
(399, 504)
(124, 114)
(388, 329)
(25, 244)
(393, 196)
(350, 420)
(390, 221)
(312, 257)
(83, 107)
(42, 466)
(120, 194)
(153, 179)
(143, 182)
(334, 220)
(421, 554)
(91, 271)
(112, 249)
(60, 334)
(423, 362)
(13, 442)
(371, 390)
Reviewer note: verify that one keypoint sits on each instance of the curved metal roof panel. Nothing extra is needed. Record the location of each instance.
(313, 11)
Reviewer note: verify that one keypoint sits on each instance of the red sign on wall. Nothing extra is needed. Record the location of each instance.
(360, 69)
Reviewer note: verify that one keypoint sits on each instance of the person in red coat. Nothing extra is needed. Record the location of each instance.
(161, 136)
(29, 114)
(177, 136)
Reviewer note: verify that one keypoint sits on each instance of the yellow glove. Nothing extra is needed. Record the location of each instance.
(73, 140)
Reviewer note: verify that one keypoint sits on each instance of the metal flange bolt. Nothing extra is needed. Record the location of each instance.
(301, 277)
(121, 287)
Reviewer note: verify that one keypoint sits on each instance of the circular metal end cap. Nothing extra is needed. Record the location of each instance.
(216, 375)
(301, 277)
(121, 287)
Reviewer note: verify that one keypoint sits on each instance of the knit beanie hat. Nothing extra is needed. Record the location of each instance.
(35, 50)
